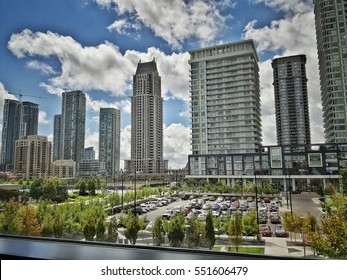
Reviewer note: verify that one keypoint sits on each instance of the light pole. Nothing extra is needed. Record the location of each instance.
(135, 189)
(122, 190)
(290, 194)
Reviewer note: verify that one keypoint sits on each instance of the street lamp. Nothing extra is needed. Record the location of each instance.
(122, 190)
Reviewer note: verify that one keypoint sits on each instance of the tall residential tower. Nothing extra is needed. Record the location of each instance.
(225, 99)
(73, 119)
(20, 119)
(109, 140)
(331, 34)
(291, 100)
(146, 122)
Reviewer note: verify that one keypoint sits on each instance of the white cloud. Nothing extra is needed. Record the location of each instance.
(43, 67)
(43, 118)
(99, 68)
(289, 6)
(177, 145)
(290, 36)
(92, 140)
(174, 21)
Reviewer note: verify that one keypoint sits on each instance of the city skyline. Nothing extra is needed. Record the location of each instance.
(48, 56)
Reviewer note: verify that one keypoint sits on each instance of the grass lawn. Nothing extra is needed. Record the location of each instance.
(216, 248)
(254, 250)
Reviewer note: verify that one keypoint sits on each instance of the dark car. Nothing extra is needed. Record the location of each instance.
(280, 231)
(275, 219)
(262, 219)
(138, 210)
(265, 230)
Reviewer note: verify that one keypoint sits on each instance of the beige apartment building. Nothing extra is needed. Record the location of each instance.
(32, 157)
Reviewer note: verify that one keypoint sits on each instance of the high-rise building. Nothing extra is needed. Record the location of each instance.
(33, 157)
(225, 99)
(291, 100)
(331, 34)
(20, 119)
(89, 153)
(73, 120)
(146, 122)
(109, 139)
(57, 141)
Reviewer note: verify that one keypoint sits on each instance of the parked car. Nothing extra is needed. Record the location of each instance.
(280, 231)
(138, 210)
(168, 214)
(275, 219)
(265, 230)
(262, 219)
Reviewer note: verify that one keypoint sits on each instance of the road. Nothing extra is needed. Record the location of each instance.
(303, 204)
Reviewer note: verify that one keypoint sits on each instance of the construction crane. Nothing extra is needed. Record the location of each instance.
(21, 94)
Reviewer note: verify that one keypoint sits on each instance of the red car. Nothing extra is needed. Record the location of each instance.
(265, 230)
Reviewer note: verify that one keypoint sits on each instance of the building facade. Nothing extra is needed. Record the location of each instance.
(291, 100)
(73, 120)
(109, 140)
(64, 169)
(298, 165)
(225, 99)
(20, 119)
(146, 122)
(32, 158)
(57, 140)
(331, 35)
(89, 153)
(91, 168)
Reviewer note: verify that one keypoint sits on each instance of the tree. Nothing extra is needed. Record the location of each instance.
(330, 239)
(250, 225)
(82, 188)
(47, 226)
(36, 189)
(193, 233)
(343, 174)
(112, 230)
(175, 232)
(132, 227)
(235, 231)
(292, 222)
(209, 231)
(8, 217)
(26, 220)
(58, 223)
(91, 186)
(89, 229)
(158, 232)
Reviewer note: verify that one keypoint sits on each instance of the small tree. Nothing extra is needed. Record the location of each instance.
(176, 231)
(209, 231)
(132, 227)
(89, 229)
(158, 232)
(112, 231)
(235, 231)
(193, 233)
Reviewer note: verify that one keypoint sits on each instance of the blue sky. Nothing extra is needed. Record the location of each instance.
(49, 46)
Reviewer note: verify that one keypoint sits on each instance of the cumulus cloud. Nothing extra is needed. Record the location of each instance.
(174, 21)
(101, 67)
(43, 67)
(176, 145)
(43, 118)
(293, 35)
(292, 6)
